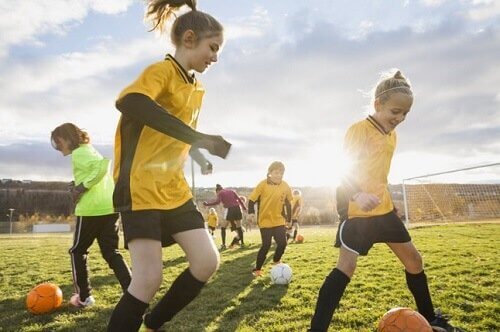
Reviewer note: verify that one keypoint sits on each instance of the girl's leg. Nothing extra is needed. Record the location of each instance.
(82, 240)
(145, 255)
(108, 243)
(223, 236)
(279, 235)
(415, 277)
(295, 230)
(332, 290)
(266, 237)
(203, 259)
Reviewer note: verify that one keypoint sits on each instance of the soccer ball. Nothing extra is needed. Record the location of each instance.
(281, 274)
(44, 298)
(403, 319)
(299, 238)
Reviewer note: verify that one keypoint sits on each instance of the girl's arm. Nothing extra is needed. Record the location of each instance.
(146, 111)
(199, 158)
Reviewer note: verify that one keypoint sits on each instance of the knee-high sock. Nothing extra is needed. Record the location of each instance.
(127, 315)
(240, 234)
(417, 283)
(295, 234)
(223, 235)
(328, 300)
(184, 289)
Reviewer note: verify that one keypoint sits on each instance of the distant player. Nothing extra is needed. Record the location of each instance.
(92, 191)
(296, 211)
(232, 214)
(155, 135)
(366, 210)
(273, 196)
(212, 221)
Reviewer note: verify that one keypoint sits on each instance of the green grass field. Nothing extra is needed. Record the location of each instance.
(462, 264)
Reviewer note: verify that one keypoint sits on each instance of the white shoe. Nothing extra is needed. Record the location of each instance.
(76, 302)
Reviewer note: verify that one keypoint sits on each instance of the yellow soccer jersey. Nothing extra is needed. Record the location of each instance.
(271, 199)
(148, 168)
(212, 220)
(370, 149)
(296, 206)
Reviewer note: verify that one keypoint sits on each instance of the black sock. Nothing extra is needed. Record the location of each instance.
(417, 283)
(328, 299)
(127, 315)
(295, 234)
(184, 289)
(223, 236)
(240, 234)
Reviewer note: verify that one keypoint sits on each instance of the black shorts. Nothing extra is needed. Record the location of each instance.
(233, 213)
(161, 224)
(360, 234)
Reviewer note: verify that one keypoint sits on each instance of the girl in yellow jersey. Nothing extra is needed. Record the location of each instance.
(212, 221)
(273, 196)
(155, 134)
(366, 210)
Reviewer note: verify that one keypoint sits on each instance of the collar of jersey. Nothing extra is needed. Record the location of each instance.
(377, 125)
(185, 75)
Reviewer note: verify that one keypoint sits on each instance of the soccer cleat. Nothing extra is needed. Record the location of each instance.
(76, 302)
(257, 273)
(440, 324)
(222, 247)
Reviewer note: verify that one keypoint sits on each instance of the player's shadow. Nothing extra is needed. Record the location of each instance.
(232, 296)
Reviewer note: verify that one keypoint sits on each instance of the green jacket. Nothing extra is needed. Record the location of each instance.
(92, 170)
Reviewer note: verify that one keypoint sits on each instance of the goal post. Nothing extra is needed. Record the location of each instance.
(471, 193)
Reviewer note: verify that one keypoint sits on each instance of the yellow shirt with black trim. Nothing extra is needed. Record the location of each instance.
(271, 199)
(155, 170)
(212, 220)
(370, 150)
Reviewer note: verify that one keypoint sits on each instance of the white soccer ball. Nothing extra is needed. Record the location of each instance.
(281, 274)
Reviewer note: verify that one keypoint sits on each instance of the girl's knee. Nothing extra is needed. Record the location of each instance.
(415, 264)
(205, 268)
(147, 282)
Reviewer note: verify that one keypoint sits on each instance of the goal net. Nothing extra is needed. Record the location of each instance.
(458, 195)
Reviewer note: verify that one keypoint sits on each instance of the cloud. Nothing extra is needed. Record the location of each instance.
(29, 19)
(484, 10)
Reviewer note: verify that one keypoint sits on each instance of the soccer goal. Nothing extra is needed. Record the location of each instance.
(457, 195)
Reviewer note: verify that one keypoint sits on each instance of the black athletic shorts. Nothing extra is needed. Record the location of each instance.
(161, 224)
(233, 213)
(360, 234)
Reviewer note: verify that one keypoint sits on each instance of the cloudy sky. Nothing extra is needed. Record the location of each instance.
(293, 75)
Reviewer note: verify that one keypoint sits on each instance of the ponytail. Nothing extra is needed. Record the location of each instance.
(202, 24)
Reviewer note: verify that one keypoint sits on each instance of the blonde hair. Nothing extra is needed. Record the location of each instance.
(390, 83)
(211, 211)
(275, 165)
(71, 133)
(202, 24)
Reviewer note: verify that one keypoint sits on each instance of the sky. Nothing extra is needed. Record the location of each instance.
(290, 80)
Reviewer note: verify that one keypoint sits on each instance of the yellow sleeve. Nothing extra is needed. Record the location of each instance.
(153, 81)
(254, 196)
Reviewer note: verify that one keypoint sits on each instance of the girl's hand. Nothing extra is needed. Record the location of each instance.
(214, 144)
(206, 168)
(366, 201)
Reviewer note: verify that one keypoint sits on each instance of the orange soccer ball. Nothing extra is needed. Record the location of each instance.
(44, 298)
(299, 238)
(403, 319)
